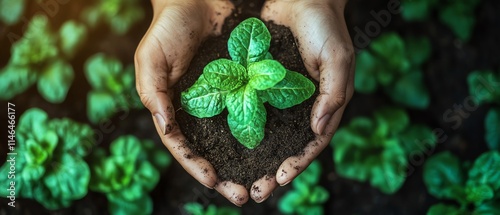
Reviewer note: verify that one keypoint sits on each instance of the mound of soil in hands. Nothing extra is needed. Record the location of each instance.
(287, 131)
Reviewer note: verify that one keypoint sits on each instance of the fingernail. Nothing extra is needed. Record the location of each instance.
(284, 184)
(263, 199)
(161, 122)
(322, 122)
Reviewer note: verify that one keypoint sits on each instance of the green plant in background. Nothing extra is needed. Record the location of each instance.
(128, 174)
(477, 192)
(492, 125)
(11, 11)
(459, 16)
(484, 86)
(377, 149)
(120, 15)
(244, 83)
(307, 196)
(113, 87)
(195, 208)
(49, 164)
(41, 56)
(394, 65)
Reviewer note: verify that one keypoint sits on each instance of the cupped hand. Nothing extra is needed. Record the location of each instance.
(162, 57)
(328, 54)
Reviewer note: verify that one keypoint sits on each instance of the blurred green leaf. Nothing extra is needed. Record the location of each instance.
(55, 80)
(418, 49)
(11, 11)
(72, 35)
(486, 170)
(459, 17)
(441, 209)
(492, 126)
(444, 177)
(410, 91)
(140, 206)
(100, 105)
(418, 138)
(366, 68)
(15, 80)
(416, 10)
(484, 86)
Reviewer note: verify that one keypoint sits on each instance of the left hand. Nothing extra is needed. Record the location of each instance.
(328, 54)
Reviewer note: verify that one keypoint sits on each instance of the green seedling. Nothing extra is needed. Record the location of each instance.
(477, 192)
(49, 164)
(377, 149)
(244, 83)
(128, 174)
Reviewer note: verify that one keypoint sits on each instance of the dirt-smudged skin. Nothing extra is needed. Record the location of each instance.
(287, 131)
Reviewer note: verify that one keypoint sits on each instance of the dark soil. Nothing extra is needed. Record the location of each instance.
(287, 131)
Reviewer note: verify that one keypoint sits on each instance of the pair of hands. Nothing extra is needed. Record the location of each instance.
(177, 30)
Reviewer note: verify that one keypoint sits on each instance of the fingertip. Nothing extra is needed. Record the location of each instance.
(263, 188)
(235, 193)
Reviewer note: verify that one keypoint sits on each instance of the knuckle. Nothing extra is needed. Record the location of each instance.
(339, 99)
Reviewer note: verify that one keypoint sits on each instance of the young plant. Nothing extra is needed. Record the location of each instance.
(49, 164)
(477, 192)
(394, 64)
(128, 174)
(195, 208)
(120, 15)
(244, 83)
(307, 196)
(11, 11)
(41, 56)
(484, 86)
(113, 87)
(457, 15)
(377, 149)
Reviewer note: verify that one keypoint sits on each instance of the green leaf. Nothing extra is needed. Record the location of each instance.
(72, 35)
(67, 179)
(77, 138)
(292, 90)
(319, 195)
(11, 11)
(418, 50)
(440, 209)
(32, 125)
(224, 74)
(265, 74)
(100, 105)
(390, 49)
(477, 193)
(37, 45)
(289, 202)
(122, 23)
(147, 176)
(443, 176)
(15, 80)
(486, 170)
(160, 158)
(249, 133)
(418, 138)
(488, 208)
(242, 104)
(140, 206)
(193, 208)
(367, 67)
(416, 10)
(391, 120)
(102, 72)
(202, 100)
(492, 126)
(55, 81)
(249, 42)
(410, 91)
(459, 17)
(484, 86)
(127, 146)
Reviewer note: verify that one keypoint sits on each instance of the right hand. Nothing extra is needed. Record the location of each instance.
(162, 57)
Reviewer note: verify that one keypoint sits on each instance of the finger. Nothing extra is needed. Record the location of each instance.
(221, 10)
(263, 188)
(195, 165)
(235, 193)
(293, 166)
(334, 79)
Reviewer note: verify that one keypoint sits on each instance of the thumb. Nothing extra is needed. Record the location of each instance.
(335, 71)
(152, 86)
